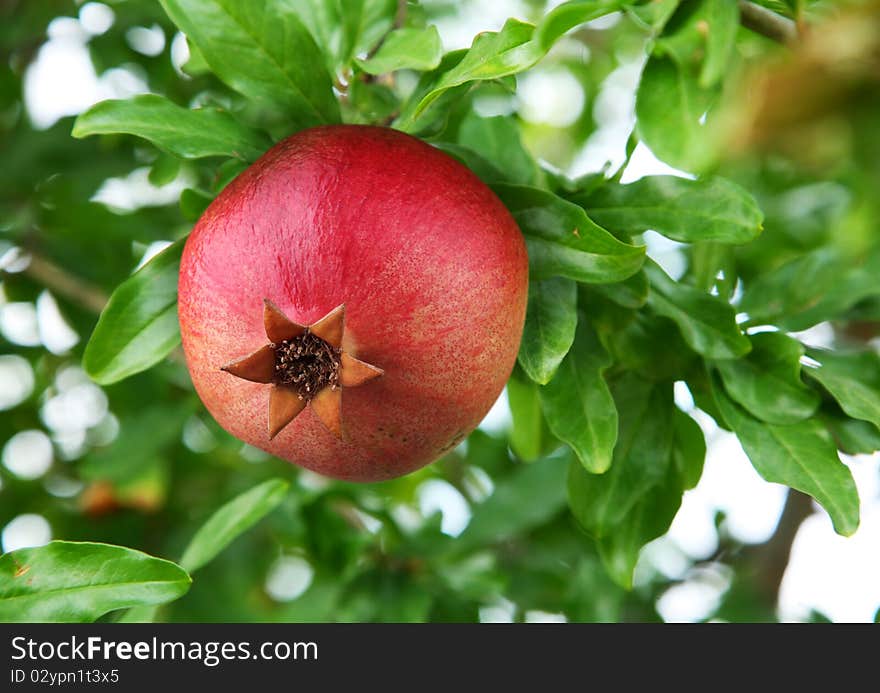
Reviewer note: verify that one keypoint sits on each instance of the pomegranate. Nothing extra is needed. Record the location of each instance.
(360, 291)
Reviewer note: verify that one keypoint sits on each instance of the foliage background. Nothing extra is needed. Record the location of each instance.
(139, 463)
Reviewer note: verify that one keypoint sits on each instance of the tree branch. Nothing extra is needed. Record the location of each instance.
(65, 284)
(767, 23)
(770, 559)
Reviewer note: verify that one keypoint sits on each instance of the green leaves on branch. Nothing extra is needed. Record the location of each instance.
(186, 133)
(139, 327)
(707, 323)
(818, 286)
(344, 28)
(578, 405)
(767, 382)
(405, 49)
(231, 520)
(678, 88)
(563, 241)
(513, 49)
(79, 582)
(714, 209)
(658, 454)
(801, 455)
(263, 51)
(852, 378)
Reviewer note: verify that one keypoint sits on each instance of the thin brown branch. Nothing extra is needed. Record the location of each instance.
(767, 23)
(65, 284)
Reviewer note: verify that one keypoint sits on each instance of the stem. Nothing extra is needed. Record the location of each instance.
(65, 284)
(767, 23)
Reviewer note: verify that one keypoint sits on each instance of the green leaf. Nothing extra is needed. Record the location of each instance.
(486, 170)
(139, 327)
(713, 266)
(193, 203)
(802, 456)
(689, 449)
(527, 433)
(632, 292)
(406, 49)
(669, 108)
(563, 241)
(344, 28)
(263, 51)
(232, 520)
(517, 47)
(707, 323)
(578, 405)
(504, 514)
(79, 582)
(852, 378)
(714, 209)
(767, 382)
(853, 436)
(721, 25)
(648, 519)
(642, 457)
(551, 320)
(497, 139)
(164, 170)
(189, 134)
(818, 286)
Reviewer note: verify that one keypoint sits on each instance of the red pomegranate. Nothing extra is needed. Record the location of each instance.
(362, 292)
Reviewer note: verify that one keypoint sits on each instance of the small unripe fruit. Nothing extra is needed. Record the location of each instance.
(369, 286)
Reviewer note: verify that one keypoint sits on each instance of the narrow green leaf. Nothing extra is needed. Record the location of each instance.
(721, 26)
(767, 382)
(497, 139)
(689, 449)
(79, 582)
(138, 328)
(563, 241)
(707, 323)
(578, 405)
(669, 110)
(852, 378)
(527, 429)
(684, 210)
(263, 51)
(406, 49)
(551, 320)
(189, 134)
(642, 457)
(802, 456)
(231, 520)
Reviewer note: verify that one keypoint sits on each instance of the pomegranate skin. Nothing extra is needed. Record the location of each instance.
(430, 265)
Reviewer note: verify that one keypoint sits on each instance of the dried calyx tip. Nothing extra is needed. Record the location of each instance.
(307, 364)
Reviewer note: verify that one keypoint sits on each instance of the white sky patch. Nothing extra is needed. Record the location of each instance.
(28, 454)
(288, 578)
(551, 96)
(16, 380)
(25, 531)
(436, 495)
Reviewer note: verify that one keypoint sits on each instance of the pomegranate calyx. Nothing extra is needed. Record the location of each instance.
(306, 365)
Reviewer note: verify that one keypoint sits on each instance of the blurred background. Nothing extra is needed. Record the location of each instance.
(141, 464)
